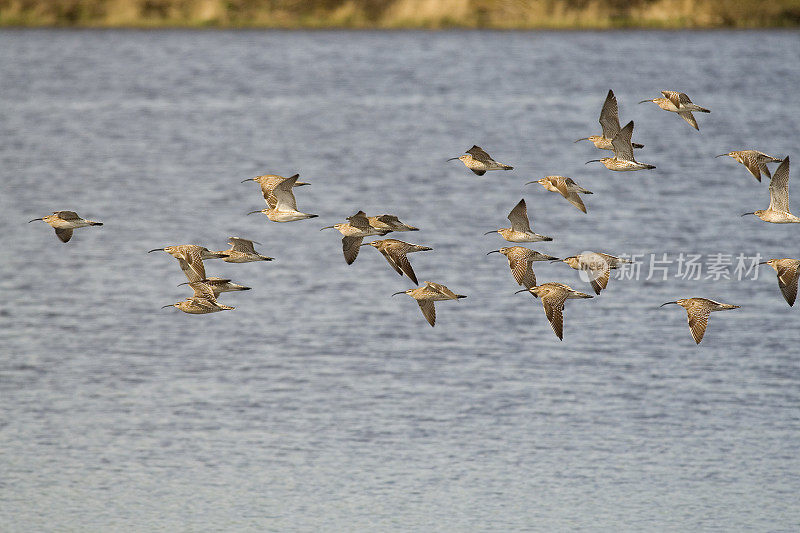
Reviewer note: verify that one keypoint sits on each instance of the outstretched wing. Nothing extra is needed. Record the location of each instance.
(522, 269)
(689, 118)
(779, 188)
(697, 315)
(428, 311)
(621, 143)
(64, 234)
(674, 97)
(242, 245)
(194, 271)
(284, 198)
(519, 217)
(787, 281)
(553, 304)
(359, 220)
(478, 153)
(350, 247)
(609, 116)
(401, 261)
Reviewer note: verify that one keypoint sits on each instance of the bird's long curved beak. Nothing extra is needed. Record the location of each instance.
(256, 211)
(582, 139)
(327, 227)
(764, 263)
(248, 179)
(643, 101)
(493, 231)
(156, 250)
(34, 220)
(662, 305)
(452, 158)
(552, 259)
(401, 292)
(533, 181)
(745, 214)
(493, 252)
(165, 306)
(720, 155)
(593, 161)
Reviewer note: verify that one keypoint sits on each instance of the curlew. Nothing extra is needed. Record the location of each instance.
(395, 253)
(429, 293)
(353, 233)
(66, 221)
(754, 161)
(242, 251)
(478, 161)
(678, 103)
(190, 258)
(520, 230)
(623, 152)
(788, 271)
(268, 183)
(609, 121)
(285, 207)
(203, 301)
(597, 267)
(520, 261)
(553, 296)
(220, 285)
(697, 311)
(389, 223)
(778, 210)
(566, 187)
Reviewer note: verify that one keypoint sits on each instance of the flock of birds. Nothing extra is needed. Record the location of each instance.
(279, 197)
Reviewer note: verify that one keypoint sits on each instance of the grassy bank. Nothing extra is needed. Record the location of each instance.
(433, 14)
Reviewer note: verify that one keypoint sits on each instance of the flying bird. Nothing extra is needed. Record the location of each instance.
(553, 296)
(623, 152)
(395, 253)
(697, 311)
(66, 221)
(520, 230)
(609, 121)
(566, 187)
(679, 103)
(778, 210)
(788, 271)
(520, 261)
(478, 161)
(429, 293)
(754, 161)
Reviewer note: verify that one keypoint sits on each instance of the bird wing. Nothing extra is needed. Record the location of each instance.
(63, 234)
(697, 314)
(242, 245)
(359, 220)
(402, 262)
(561, 185)
(519, 217)
(270, 199)
(575, 200)
(689, 118)
(284, 198)
(523, 272)
(553, 304)
(478, 153)
(621, 143)
(598, 278)
(202, 290)
(350, 247)
(787, 281)
(609, 116)
(779, 188)
(751, 163)
(428, 310)
(194, 270)
(391, 260)
(67, 215)
(674, 97)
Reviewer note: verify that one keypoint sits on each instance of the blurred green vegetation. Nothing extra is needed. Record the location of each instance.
(500, 14)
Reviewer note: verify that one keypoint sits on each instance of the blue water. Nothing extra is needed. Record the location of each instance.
(323, 404)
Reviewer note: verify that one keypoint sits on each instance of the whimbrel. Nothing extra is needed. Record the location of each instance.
(285, 208)
(754, 161)
(190, 258)
(609, 121)
(623, 152)
(429, 293)
(353, 233)
(478, 161)
(268, 183)
(395, 253)
(520, 230)
(678, 103)
(242, 251)
(202, 302)
(389, 223)
(566, 187)
(778, 210)
(520, 261)
(220, 285)
(66, 221)
(697, 311)
(597, 267)
(788, 271)
(553, 296)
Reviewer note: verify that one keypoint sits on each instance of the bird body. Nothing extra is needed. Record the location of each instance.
(389, 223)
(242, 251)
(520, 230)
(203, 301)
(677, 102)
(479, 162)
(788, 271)
(220, 285)
(190, 258)
(778, 210)
(520, 261)
(609, 122)
(429, 293)
(66, 221)
(268, 182)
(353, 233)
(553, 296)
(566, 187)
(623, 159)
(754, 161)
(395, 253)
(697, 311)
(597, 266)
(285, 205)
